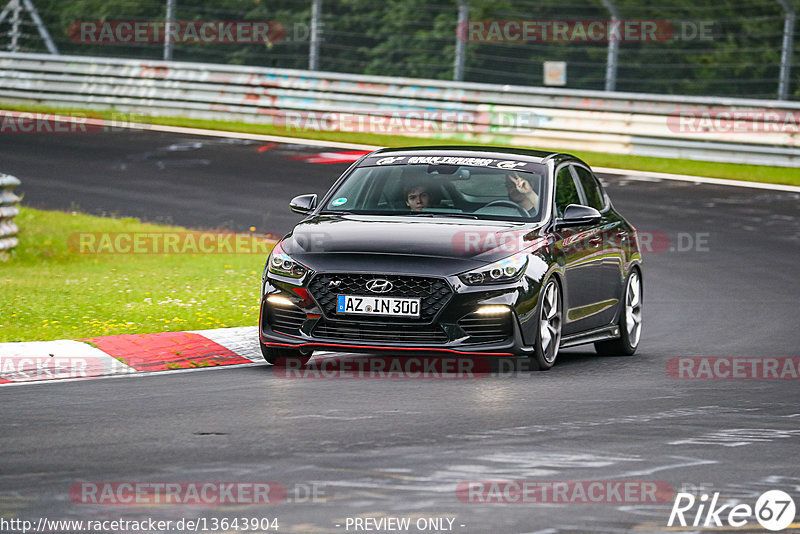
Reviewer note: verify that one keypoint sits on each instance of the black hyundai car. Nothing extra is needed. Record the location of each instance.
(455, 250)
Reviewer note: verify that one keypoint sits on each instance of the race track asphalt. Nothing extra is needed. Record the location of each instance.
(722, 282)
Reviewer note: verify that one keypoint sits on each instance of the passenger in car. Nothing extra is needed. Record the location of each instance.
(521, 191)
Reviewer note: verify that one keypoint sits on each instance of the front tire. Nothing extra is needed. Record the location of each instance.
(280, 357)
(548, 337)
(630, 321)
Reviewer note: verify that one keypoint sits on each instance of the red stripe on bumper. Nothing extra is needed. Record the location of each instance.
(339, 345)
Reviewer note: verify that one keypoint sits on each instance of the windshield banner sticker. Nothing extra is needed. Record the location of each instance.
(449, 160)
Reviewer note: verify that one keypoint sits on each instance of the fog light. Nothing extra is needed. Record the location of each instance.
(279, 300)
(493, 310)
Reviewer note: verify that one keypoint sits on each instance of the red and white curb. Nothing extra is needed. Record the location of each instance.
(96, 357)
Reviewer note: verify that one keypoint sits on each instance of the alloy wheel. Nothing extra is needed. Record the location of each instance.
(550, 322)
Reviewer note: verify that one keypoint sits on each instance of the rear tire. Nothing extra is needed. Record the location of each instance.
(280, 357)
(548, 335)
(630, 321)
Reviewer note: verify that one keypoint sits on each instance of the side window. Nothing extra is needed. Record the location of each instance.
(566, 192)
(591, 188)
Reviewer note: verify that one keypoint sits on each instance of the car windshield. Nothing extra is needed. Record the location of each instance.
(442, 191)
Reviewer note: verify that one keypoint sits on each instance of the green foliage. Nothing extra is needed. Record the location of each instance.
(54, 292)
(417, 38)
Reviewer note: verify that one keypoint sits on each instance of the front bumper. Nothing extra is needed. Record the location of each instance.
(455, 328)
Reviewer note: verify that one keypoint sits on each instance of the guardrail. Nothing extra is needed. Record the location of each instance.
(8, 210)
(762, 132)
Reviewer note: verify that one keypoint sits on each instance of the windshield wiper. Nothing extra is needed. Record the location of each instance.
(437, 214)
(400, 214)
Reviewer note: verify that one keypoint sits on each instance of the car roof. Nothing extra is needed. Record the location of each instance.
(533, 156)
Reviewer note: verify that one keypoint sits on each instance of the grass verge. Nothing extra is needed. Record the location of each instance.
(50, 291)
(731, 171)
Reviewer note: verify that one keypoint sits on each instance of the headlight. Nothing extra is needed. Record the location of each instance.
(282, 264)
(505, 270)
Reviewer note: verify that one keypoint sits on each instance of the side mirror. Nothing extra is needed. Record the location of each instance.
(304, 204)
(577, 215)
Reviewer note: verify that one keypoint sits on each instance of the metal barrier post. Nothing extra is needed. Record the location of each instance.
(45, 35)
(786, 49)
(16, 7)
(168, 21)
(8, 210)
(461, 40)
(613, 48)
(313, 49)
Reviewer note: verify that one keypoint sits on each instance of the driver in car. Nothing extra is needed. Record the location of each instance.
(521, 192)
(418, 197)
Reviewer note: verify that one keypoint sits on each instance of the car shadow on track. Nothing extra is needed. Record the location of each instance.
(421, 365)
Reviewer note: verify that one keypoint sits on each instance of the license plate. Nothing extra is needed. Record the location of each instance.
(393, 306)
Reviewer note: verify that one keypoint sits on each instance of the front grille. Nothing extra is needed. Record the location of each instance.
(486, 328)
(285, 319)
(434, 293)
(380, 333)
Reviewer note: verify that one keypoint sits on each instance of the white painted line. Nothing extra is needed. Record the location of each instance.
(698, 179)
(139, 374)
(34, 361)
(355, 146)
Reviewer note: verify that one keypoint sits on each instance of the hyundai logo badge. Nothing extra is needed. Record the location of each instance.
(379, 285)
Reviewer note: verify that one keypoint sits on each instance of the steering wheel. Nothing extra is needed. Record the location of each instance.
(509, 204)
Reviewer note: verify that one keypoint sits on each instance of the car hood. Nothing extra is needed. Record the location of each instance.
(405, 243)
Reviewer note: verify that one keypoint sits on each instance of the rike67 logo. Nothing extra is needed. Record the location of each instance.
(774, 510)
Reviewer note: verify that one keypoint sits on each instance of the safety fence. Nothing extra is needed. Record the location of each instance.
(8, 210)
(762, 132)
